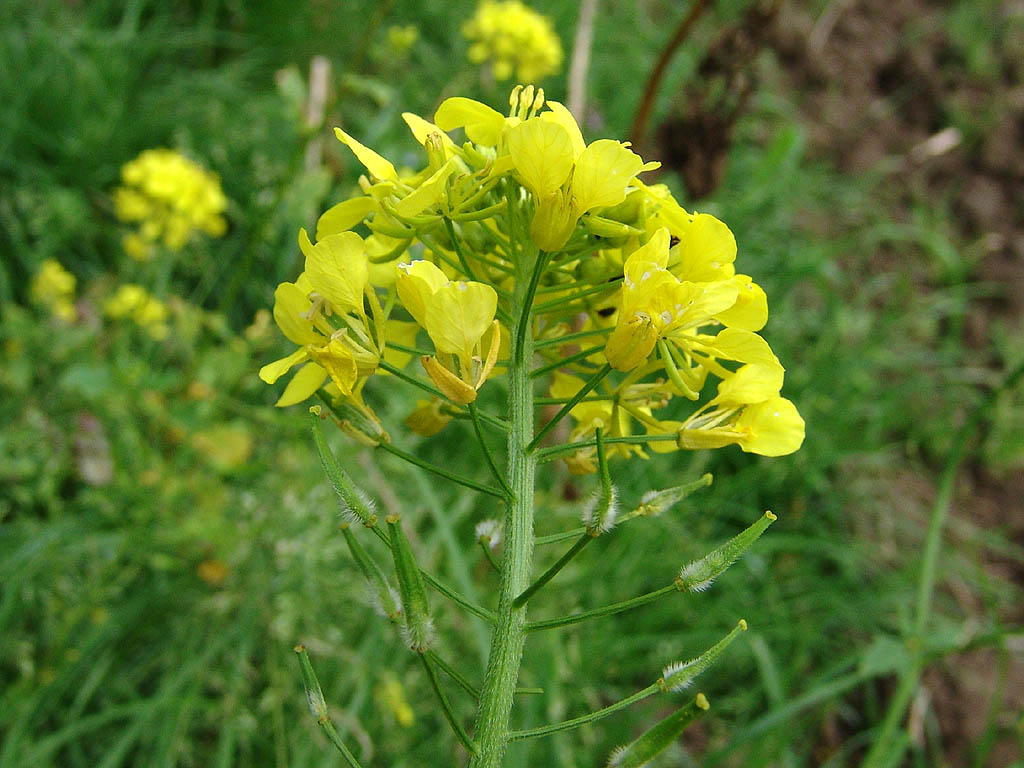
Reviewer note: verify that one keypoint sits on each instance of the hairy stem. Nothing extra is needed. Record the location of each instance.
(492, 731)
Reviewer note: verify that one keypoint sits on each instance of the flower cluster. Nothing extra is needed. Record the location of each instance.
(53, 288)
(634, 301)
(515, 39)
(170, 199)
(137, 304)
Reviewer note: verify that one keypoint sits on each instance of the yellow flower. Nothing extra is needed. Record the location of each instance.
(171, 199)
(657, 306)
(514, 39)
(568, 179)
(747, 412)
(53, 287)
(456, 315)
(136, 303)
(428, 419)
(401, 39)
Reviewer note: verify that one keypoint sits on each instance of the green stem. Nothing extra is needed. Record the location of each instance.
(450, 229)
(585, 390)
(442, 472)
(549, 454)
(608, 610)
(446, 708)
(551, 572)
(454, 674)
(576, 722)
(489, 555)
(548, 306)
(555, 538)
(562, 362)
(486, 449)
(496, 697)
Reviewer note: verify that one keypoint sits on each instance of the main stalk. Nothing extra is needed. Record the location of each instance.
(492, 720)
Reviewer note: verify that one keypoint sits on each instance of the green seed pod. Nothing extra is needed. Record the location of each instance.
(314, 695)
(698, 575)
(680, 674)
(355, 504)
(653, 503)
(419, 627)
(657, 738)
(385, 599)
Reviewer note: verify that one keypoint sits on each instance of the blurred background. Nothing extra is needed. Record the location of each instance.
(166, 535)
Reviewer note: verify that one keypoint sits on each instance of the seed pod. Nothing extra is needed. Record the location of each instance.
(653, 741)
(679, 675)
(653, 503)
(355, 504)
(385, 600)
(419, 627)
(314, 695)
(698, 575)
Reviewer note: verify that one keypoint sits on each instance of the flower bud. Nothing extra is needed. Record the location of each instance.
(698, 575)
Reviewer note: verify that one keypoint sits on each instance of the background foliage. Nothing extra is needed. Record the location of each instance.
(166, 536)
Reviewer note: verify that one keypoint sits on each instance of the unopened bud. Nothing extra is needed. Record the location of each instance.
(698, 575)
(680, 674)
(436, 154)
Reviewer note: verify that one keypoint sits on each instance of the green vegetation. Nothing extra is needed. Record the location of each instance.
(167, 536)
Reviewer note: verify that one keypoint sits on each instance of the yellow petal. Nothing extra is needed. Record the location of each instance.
(603, 172)
(399, 332)
(290, 303)
(421, 129)
(429, 193)
(664, 428)
(303, 384)
(339, 362)
(343, 216)
(774, 428)
(451, 386)
(706, 250)
(457, 316)
(752, 383)
(492, 355)
(271, 372)
(741, 346)
(631, 343)
(483, 125)
(542, 153)
(560, 114)
(417, 281)
(750, 312)
(377, 166)
(428, 419)
(337, 269)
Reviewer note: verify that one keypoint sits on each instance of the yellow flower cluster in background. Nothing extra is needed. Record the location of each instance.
(171, 199)
(53, 288)
(515, 39)
(637, 301)
(135, 303)
(401, 39)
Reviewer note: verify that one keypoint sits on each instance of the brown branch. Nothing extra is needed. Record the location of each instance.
(643, 112)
